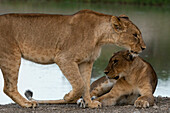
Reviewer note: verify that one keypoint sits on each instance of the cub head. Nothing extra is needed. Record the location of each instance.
(119, 64)
(128, 34)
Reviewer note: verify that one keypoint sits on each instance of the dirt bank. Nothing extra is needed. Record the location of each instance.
(162, 106)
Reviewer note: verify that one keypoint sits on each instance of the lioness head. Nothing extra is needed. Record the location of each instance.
(129, 36)
(119, 64)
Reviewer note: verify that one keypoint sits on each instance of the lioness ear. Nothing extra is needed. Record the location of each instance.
(124, 16)
(128, 57)
(116, 24)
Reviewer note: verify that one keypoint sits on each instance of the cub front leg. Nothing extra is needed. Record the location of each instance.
(146, 99)
(71, 72)
(103, 86)
(121, 87)
(85, 70)
(107, 100)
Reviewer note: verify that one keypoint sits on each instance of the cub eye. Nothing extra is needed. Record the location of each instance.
(114, 63)
(135, 35)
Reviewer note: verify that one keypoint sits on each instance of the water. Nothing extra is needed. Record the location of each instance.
(47, 81)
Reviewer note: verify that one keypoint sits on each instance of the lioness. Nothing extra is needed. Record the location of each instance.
(130, 80)
(73, 42)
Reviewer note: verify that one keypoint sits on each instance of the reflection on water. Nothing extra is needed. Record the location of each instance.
(47, 82)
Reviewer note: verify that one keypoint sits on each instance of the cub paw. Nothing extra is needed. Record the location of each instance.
(94, 104)
(141, 104)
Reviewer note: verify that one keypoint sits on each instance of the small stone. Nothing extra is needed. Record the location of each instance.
(164, 107)
(159, 98)
(155, 106)
(136, 111)
(127, 106)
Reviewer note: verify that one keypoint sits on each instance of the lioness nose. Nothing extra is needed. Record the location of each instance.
(106, 72)
(142, 48)
(117, 77)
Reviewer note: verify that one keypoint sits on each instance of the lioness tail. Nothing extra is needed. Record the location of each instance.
(29, 94)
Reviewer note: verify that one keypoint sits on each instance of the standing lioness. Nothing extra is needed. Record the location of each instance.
(73, 42)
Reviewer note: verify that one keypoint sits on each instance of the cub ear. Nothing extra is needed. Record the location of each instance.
(113, 53)
(116, 24)
(124, 16)
(128, 57)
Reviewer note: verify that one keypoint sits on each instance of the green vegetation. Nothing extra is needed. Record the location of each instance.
(136, 2)
(133, 2)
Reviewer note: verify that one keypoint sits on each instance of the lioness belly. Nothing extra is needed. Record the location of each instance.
(37, 44)
(38, 54)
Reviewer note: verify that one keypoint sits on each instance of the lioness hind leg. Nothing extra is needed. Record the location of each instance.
(71, 72)
(10, 68)
(85, 70)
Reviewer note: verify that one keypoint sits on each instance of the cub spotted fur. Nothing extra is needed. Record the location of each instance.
(73, 42)
(135, 82)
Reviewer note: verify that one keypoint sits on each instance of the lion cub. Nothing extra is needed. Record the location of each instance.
(128, 81)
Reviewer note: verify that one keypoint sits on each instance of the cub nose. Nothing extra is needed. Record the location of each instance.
(106, 72)
(143, 48)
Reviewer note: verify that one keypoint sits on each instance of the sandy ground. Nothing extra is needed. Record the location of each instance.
(162, 106)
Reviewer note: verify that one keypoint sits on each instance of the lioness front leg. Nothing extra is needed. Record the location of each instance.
(146, 99)
(120, 88)
(85, 70)
(70, 70)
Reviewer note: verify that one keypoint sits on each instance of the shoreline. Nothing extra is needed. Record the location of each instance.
(162, 105)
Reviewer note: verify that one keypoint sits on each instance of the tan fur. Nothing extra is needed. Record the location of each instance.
(73, 42)
(137, 77)
(101, 86)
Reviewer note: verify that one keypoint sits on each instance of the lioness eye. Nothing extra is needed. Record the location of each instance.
(117, 27)
(135, 35)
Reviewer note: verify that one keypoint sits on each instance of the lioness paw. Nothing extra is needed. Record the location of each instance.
(141, 103)
(69, 96)
(94, 104)
(29, 104)
(82, 103)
